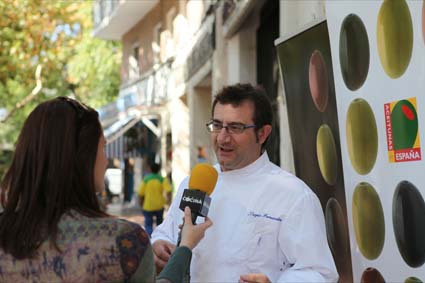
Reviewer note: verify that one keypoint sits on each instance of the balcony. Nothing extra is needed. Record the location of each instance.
(113, 18)
(149, 91)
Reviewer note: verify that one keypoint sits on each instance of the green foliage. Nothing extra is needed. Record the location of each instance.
(95, 67)
(55, 35)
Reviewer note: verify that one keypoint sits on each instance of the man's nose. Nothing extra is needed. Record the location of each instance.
(223, 135)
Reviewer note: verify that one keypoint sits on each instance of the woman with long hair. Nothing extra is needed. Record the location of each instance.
(52, 228)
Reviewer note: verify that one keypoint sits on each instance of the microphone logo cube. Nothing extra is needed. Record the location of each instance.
(197, 201)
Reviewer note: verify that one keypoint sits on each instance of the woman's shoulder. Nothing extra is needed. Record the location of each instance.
(111, 227)
(130, 232)
(127, 238)
(133, 243)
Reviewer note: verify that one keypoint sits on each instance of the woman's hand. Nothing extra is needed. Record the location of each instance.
(193, 234)
(162, 251)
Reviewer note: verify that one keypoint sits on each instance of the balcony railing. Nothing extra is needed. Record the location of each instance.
(113, 18)
(152, 89)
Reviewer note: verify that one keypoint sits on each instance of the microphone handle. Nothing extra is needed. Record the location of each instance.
(179, 239)
(194, 216)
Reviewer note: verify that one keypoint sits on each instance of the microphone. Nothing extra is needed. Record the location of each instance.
(202, 180)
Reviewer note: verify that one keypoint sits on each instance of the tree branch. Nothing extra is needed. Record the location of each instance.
(30, 97)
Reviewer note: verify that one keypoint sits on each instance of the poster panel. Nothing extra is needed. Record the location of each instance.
(378, 59)
(306, 68)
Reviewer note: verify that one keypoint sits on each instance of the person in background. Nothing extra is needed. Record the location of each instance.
(202, 156)
(269, 225)
(154, 193)
(107, 191)
(52, 228)
(128, 181)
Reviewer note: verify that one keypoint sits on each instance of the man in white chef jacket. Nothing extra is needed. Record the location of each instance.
(268, 224)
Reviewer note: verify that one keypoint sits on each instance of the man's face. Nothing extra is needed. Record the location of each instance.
(235, 151)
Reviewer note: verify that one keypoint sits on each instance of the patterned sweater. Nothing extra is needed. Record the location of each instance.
(93, 250)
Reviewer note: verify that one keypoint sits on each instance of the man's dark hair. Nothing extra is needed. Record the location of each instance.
(155, 167)
(237, 94)
(52, 172)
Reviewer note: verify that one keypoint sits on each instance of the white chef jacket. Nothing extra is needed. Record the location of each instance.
(265, 220)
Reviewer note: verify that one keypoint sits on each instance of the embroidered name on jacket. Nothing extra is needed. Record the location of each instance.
(264, 215)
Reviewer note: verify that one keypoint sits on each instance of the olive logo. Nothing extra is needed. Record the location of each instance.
(394, 37)
(404, 122)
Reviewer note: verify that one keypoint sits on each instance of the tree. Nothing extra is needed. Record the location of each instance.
(46, 50)
(94, 69)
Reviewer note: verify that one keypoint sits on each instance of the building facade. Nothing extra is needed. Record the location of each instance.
(178, 53)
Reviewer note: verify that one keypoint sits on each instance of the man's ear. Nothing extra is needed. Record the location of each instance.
(263, 133)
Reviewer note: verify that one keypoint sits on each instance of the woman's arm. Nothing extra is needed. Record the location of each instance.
(178, 267)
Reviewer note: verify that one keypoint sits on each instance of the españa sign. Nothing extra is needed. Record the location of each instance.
(401, 122)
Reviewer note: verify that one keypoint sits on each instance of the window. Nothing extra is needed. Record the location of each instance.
(133, 62)
(156, 43)
(170, 18)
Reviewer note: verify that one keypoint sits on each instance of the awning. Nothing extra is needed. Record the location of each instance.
(118, 128)
(116, 142)
(121, 146)
(119, 149)
(120, 116)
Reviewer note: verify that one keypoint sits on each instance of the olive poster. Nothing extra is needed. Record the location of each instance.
(306, 67)
(378, 59)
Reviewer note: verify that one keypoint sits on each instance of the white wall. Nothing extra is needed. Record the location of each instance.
(179, 119)
(242, 53)
(199, 102)
(296, 14)
(219, 59)
(200, 114)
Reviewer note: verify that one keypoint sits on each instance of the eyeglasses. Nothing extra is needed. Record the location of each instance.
(233, 128)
